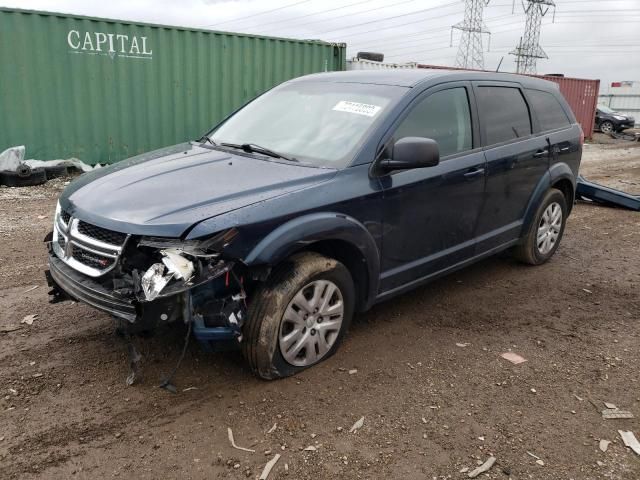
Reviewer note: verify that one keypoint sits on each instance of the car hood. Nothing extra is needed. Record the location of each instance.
(165, 192)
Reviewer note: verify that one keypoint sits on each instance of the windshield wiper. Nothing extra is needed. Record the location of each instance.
(253, 148)
(208, 139)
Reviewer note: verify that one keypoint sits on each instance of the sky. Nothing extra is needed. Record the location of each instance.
(595, 39)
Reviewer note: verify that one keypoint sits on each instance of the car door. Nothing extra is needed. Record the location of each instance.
(552, 121)
(430, 214)
(516, 161)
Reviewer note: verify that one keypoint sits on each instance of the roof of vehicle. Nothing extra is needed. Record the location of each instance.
(412, 77)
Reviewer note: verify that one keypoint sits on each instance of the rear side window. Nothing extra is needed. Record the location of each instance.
(550, 113)
(503, 114)
(444, 117)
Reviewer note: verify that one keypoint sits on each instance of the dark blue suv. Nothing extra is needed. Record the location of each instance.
(318, 199)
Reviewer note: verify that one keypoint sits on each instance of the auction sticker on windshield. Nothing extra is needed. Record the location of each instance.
(358, 108)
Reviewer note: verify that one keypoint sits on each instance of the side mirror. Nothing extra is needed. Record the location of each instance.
(412, 152)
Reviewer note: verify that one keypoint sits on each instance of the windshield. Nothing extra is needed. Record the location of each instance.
(321, 124)
(604, 109)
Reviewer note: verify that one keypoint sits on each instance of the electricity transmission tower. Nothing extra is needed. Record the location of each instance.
(470, 53)
(529, 50)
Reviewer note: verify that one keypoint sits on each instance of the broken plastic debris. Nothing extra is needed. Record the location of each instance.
(615, 413)
(630, 441)
(604, 444)
(462, 345)
(353, 371)
(513, 358)
(610, 405)
(29, 319)
(267, 468)
(30, 289)
(310, 448)
(273, 429)
(533, 455)
(483, 468)
(233, 443)
(154, 280)
(179, 266)
(357, 425)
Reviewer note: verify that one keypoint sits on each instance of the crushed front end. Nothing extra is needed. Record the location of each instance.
(144, 282)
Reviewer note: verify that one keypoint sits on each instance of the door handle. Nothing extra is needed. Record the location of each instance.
(564, 149)
(541, 153)
(474, 173)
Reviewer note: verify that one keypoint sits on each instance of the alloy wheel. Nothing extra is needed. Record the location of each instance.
(549, 228)
(606, 127)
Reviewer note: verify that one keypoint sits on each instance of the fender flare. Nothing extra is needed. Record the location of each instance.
(558, 171)
(303, 231)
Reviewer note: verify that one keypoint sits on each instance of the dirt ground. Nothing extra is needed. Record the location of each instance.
(431, 407)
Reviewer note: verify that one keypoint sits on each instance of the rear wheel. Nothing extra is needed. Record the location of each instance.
(546, 230)
(606, 127)
(299, 316)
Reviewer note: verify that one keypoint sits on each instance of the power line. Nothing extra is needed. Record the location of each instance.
(430, 32)
(257, 14)
(355, 13)
(312, 14)
(392, 18)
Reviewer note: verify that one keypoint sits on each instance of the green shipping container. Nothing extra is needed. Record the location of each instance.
(103, 90)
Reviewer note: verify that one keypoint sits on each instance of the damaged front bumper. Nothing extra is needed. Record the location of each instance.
(214, 304)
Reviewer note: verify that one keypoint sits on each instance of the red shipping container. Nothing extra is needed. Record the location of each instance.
(581, 95)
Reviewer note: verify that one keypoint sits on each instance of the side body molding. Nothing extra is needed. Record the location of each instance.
(557, 171)
(308, 229)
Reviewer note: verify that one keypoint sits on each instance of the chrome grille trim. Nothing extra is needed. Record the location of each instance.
(71, 237)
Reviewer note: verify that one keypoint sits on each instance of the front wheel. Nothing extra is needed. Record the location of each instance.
(299, 316)
(606, 127)
(545, 232)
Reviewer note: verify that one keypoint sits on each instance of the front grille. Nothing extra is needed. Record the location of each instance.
(66, 216)
(91, 259)
(87, 248)
(102, 234)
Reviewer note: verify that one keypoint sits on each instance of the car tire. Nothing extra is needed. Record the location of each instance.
(546, 230)
(283, 334)
(36, 176)
(606, 127)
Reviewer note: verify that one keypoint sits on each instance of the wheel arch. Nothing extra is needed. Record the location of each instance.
(332, 234)
(559, 176)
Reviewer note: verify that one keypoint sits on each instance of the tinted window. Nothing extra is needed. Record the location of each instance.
(550, 113)
(443, 116)
(503, 113)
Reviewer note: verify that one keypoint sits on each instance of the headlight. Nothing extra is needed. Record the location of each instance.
(619, 117)
(177, 266)
(154, 280)
(185, 264)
